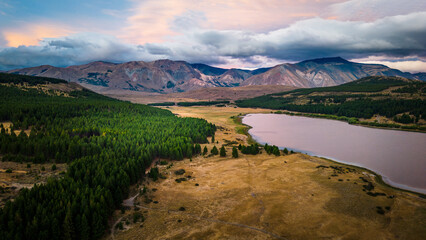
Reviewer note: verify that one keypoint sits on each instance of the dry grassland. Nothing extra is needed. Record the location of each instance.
(266, 197)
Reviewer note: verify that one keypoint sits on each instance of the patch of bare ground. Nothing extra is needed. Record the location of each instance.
(15, 176)
(266, 197)
(204, 94)
(8, 127)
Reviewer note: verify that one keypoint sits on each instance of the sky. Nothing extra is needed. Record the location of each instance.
(222, 33)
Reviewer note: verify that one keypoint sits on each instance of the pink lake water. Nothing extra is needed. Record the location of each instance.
(398, 156)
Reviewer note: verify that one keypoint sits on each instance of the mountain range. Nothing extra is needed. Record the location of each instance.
(166, 76)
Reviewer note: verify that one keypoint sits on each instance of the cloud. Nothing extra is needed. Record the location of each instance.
(70, 50)
(252, 62)
(397, 36)
(392, 37)
(370, 10)
(31, 34)
(189, 20)
(155, 21)
(3, 41)
(406, 64)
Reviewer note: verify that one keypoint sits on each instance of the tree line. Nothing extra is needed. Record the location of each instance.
(107, 144)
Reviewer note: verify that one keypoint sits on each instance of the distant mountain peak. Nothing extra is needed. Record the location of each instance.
(165, 76)
(327, 60)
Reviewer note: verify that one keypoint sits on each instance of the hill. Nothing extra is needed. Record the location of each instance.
(104, 166)
(322, 72)
(377, 101)
(107, 144)
(166, 76)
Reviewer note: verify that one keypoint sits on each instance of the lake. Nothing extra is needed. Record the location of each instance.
(398, 156)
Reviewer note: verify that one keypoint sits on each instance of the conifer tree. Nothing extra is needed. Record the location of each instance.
(276, 151)
(214, 151)
(85, 229)
(68, 226)
(234, 152)
(222, 151)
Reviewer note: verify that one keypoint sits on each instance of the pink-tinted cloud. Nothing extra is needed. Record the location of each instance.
(32, 34)
(370, 10)
(154, 21)
(240, 33)
(406, 64)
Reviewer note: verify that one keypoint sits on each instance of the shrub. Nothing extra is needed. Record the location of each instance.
(138, 216)
(154, 173)
(180, 172)
(285, 151)
(120, 226)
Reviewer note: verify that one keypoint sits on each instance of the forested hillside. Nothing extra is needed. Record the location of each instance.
(398, 99)
(107, 143)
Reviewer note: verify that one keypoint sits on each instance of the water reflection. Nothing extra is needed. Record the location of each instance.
(400, 157)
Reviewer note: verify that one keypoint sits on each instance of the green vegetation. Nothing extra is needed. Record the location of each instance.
(190, 104)
(222, 151)
(154, 173)
(108, 145)
(404, 118)
(234, 152)
(253, 149)
(285, 151)
(180, 172)
(196, 149)
(214, 151)
(412, 88)
(341, 104)
(367, 84)
(164, 104)
(202, 103)
(29, 80)
(272, 149)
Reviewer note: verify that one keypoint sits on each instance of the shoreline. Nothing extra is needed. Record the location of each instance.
(347, 120)
(378, 177)
(274, 193)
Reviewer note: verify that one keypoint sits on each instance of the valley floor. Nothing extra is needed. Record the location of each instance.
(266, 197)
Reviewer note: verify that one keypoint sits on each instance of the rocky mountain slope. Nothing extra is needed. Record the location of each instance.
(322, 73)
(166, 76)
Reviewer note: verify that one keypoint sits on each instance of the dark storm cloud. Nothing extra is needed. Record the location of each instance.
(75, 49)
(397, 36)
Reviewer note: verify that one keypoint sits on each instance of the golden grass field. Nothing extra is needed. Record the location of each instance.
(266, 197)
